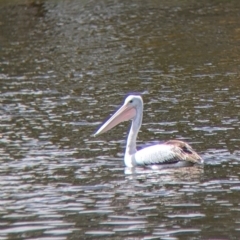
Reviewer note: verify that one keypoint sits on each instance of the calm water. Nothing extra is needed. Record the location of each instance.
(65, 66)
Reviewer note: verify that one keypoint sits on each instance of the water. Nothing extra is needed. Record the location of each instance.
(65, 66)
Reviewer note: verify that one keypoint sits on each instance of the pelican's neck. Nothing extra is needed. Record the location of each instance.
(133, 133)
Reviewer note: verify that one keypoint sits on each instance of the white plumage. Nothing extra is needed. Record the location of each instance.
(156, 154)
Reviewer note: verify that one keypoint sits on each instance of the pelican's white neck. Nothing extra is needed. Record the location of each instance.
(131, 147)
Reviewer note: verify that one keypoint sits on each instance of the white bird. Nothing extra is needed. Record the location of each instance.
(171, 153)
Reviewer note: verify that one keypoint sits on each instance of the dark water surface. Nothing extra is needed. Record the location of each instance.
(65, 66)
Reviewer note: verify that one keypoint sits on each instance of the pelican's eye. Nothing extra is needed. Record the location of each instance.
(131, 101)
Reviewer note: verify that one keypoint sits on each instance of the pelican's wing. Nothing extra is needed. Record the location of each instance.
(186, 150)
(167, 153)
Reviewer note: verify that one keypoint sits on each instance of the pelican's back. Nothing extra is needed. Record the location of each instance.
(170, 152)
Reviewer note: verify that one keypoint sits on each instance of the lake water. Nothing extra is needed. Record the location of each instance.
(65, 66)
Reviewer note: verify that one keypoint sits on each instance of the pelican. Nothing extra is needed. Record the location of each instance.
(171, 153)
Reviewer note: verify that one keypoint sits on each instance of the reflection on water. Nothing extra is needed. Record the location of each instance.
(65, 66)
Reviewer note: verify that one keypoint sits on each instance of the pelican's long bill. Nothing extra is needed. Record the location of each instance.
(125, 113)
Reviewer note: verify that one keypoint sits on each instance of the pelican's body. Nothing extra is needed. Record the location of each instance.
(173, 152)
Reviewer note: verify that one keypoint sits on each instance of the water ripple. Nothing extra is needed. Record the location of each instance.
(66, 66)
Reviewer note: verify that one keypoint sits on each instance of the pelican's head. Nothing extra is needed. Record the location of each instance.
(128, 111)
(134, 101)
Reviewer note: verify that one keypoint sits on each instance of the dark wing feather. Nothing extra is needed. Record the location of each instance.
(186, 150)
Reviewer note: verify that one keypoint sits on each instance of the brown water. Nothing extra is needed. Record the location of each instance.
(65, 66)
